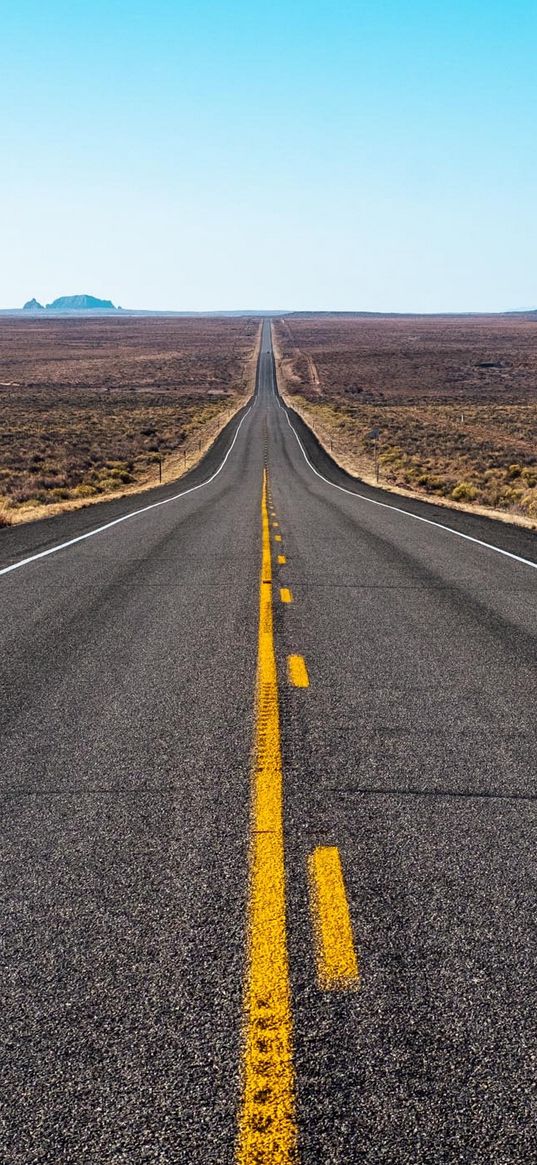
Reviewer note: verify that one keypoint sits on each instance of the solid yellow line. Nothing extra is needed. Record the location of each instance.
(281, 559)
(297, 671)
(286, 595)
(337, 965)
(267, 1129)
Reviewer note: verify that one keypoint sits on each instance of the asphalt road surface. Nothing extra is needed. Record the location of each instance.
(128, 717)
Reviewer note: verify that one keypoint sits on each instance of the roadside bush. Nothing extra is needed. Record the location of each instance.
(464, 492)
(529, 503)
(85, 490)
(118, 474)
(108, 483)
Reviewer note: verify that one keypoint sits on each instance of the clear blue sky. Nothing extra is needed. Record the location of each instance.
(376, 155)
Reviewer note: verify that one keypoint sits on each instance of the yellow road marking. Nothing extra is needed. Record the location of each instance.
(337, 965)
(275, 524)
(286, 595)
(281, 559)
(277, 537)
(297, 671)
(267, 1129)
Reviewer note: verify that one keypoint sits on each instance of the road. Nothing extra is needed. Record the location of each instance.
(152, 902)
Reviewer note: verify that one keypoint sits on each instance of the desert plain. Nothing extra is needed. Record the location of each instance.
(441, 406)
(95, 406)
(446, 405)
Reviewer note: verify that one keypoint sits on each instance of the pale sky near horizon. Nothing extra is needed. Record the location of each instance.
(204, 156)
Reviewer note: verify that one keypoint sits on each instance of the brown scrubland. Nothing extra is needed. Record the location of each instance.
(88, 407)
(454, 400)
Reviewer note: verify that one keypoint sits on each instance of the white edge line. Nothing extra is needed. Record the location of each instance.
(125, 517)
(398, 510)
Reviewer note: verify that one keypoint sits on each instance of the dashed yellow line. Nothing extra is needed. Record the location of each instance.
(277, 537)
(275, 524)
(281, 559)
(286, 595)
(267, 1128)
(337, 965)
(297, 671)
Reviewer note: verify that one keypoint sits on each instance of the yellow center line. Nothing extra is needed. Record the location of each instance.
(267, 1128)
(286, 595)
(297, 671)
(281, 559)
(277, 537)
(337, 965)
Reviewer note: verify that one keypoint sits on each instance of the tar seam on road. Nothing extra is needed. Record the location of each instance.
(125, 517)
(267, 1128)
(337, 966)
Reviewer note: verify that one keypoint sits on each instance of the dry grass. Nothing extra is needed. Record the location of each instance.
(454, 400)
(88, 407)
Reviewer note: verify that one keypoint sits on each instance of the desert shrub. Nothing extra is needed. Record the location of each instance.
(441, 485)
(5, 519)
(512, 494)
(391, 456)
(109, 483)
(464, 492)
(408, 474)
(42, 481)
(529, 503)
(85, 490)
(120, 475)
(18, 495)
(117, 465)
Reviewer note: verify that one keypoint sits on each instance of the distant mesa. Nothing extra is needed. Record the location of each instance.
(72, 303)
(80, 303)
